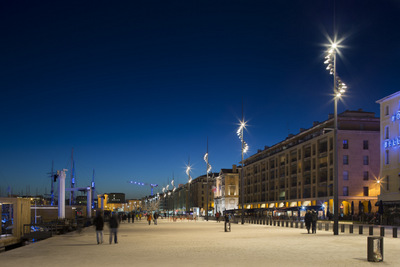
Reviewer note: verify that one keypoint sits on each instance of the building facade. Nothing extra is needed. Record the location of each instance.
(299, 170)
(389, 150)
(226, 195)
(200, 190)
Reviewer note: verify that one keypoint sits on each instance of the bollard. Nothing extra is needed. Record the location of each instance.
(274, 223)
(287, 223)
(283, 224)
(351, 228)
(319, 226)
(279, 223)
(227, 226)
(291, 224)
(296, 224)
(342, 228)
(375, 248)
(394, 232)
(360, 230)
(382, 231)
(302, 225)
(326, 226)
(371, 230)
(264, 221)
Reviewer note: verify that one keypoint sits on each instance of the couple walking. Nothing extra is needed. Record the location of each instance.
(99, 224)
(311, 218)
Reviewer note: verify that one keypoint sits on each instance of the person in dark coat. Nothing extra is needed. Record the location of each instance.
(155, 217)
(113, 224)
(99, 224)
(308, 220)
(133, 216)
(314, 222)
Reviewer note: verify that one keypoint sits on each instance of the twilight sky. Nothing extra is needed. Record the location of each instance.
(136, 87)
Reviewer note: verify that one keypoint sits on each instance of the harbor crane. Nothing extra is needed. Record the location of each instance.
(144, 184)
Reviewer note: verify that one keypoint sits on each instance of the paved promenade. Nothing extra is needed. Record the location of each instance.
(201, 244)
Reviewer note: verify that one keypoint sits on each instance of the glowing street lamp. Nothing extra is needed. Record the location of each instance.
(339, 88)
(245, 148)
(208, 170)
(188, 169)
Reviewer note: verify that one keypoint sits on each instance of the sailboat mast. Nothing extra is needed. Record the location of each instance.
(71, 194)
(52, 183)
(93, 189)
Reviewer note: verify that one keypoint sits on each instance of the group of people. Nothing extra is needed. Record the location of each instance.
(113, 224)
(153, 217)
(310, 219)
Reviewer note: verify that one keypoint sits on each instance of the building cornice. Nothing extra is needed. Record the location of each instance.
(388, 97)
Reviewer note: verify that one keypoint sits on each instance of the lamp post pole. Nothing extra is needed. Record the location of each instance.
(242, 182)
(335, 154)
(339, 88)
(189, 182)
(208, 169)
(245, 148)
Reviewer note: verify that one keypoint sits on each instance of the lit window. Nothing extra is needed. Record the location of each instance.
(345, 144)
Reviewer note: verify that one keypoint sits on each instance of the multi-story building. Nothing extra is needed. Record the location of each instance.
(199, 193)
(389, 150)
(226, 195)
(112, 201)
(187, 197)
(299, 170)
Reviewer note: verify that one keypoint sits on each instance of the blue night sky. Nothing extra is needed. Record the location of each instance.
(136, 87)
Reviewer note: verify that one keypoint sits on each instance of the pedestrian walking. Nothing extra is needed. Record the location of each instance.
(308, 220)
(113, 224)
(99, 224)
(217, 215)
(155, 217)
(149, 217)
(129, 217)
(314, 222)
(133, 216)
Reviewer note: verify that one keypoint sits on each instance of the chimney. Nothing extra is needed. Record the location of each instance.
(316, 122)
(234, 168)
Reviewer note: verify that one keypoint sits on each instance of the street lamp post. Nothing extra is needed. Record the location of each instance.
(245, 147)
(208, 169)
(188, 168)
(338, 89)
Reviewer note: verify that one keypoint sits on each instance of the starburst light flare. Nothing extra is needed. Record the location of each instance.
(188, 169)
(239, 132)
(208, 164)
